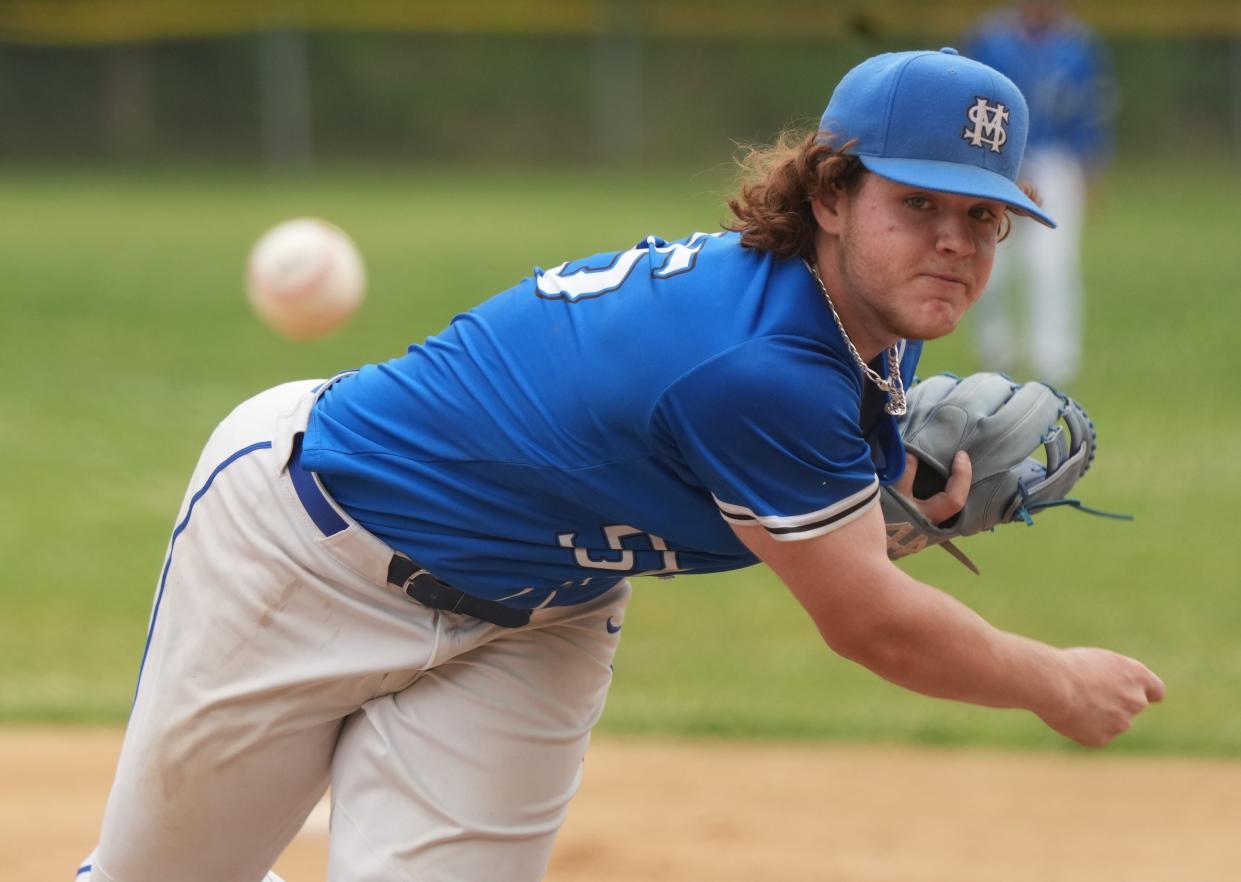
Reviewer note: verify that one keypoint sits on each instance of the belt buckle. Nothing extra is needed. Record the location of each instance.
(418, 582)
(422, 586)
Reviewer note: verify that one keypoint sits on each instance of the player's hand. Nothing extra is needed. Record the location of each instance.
(1106, 691)
(947, 502)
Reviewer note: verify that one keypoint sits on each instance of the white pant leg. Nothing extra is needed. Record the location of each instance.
(1053, 267)
(84, 873)
(263, 640)
(993, 322)
(466, 775)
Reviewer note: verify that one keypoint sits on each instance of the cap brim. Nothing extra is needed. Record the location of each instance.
(953, 177)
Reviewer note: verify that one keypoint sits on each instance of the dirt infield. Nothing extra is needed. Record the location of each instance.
(656, 811)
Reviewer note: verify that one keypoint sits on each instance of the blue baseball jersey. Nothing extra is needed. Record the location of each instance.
(1064, 75)
(612, 417)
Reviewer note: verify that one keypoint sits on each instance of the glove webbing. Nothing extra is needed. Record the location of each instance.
(1024, 512)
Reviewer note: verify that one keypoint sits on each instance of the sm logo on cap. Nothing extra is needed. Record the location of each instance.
(989, 125)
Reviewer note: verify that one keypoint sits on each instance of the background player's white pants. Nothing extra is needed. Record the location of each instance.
(1045, 266)
(279, 660)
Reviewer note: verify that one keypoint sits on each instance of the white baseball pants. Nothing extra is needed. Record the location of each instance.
(1044, 265)
(279, 660)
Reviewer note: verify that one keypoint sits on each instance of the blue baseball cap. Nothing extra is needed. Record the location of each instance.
(936, 120)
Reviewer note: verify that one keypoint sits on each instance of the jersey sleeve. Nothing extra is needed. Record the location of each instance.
(770, 429)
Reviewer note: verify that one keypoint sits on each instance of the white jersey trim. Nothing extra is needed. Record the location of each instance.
(792, 528)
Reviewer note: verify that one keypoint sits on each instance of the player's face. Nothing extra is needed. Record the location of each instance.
(1039, 15)
(912, 261)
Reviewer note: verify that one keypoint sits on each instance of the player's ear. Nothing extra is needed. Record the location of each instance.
(829, 205)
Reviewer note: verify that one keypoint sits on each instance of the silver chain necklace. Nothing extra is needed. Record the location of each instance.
(893, 386)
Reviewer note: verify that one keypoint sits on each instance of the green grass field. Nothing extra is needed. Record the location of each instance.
(125, 336)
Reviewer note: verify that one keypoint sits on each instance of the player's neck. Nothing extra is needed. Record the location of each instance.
(862, 325)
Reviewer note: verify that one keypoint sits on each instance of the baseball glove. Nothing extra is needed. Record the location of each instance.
(1001, 425)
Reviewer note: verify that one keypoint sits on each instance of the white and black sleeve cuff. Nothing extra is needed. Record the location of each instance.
(791, 528)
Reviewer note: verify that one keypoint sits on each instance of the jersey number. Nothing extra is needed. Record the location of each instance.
(626, 559)
(583, 282)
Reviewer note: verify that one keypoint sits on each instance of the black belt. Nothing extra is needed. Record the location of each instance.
(430, 591)
(402, 572)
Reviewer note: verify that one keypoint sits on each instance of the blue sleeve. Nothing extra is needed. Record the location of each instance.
(770, 429)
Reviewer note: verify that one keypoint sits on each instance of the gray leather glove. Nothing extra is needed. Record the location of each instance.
(1000, 424)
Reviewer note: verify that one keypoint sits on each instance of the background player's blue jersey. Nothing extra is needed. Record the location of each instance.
(1064, 75)
(609, 418)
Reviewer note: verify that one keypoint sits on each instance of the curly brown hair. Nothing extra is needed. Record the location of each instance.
(772, 209)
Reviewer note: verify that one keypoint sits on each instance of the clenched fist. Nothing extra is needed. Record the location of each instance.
(1104, 691)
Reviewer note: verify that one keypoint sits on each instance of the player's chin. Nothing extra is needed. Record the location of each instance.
(936, 319)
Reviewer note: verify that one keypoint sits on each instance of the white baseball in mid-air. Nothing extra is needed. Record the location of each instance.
(305, 278)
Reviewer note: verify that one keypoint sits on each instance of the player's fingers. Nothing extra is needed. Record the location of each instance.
(958, 487)
(951, 499)
(1154, 688)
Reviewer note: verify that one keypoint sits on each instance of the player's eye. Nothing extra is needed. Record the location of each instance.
(918, 202)
(984, 213)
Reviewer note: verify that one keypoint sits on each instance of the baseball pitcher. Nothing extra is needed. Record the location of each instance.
(409, 581)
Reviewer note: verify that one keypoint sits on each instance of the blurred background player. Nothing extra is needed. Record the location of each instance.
(1061, 68)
